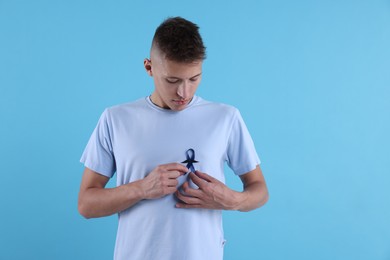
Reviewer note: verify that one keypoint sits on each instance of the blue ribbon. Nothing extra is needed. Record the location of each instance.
(190, 154)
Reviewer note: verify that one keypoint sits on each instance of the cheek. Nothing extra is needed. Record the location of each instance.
(194, 86)
(167, 89)
(162, 86)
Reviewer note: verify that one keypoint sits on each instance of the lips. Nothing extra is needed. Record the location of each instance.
(180, 102)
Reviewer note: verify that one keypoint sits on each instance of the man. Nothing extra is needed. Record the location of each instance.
(168, 151)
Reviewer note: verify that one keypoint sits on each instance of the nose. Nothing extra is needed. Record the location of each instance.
(182, 90)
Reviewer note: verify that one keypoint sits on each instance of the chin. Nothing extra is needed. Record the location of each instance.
(178, 108)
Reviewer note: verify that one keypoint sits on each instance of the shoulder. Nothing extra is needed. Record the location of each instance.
(137, 104)
(125, 109)
(216, 107)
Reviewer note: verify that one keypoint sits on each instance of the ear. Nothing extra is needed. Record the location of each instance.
(148, 67)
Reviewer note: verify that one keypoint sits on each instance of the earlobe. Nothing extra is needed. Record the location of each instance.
(148, 66)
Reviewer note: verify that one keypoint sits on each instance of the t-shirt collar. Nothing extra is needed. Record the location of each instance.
(150, 103)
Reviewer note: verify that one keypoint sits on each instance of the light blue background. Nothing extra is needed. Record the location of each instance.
(311, 78)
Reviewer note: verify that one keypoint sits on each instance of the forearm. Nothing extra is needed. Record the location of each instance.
(97, 202)
(252, 197)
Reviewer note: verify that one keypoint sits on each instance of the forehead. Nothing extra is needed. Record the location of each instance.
(169, 68)
(173, 68)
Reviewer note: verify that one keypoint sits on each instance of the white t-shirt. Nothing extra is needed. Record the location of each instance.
(133, 138)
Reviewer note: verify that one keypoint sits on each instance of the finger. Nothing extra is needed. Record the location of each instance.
(190, 191)
(170, 190)
(205, 176)
(171, 183)
(175, 167)
(173, 174)
(187, 206)
(201, 183)
(187, 199)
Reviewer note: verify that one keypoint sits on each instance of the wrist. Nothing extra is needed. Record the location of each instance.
(238, 199)
(136, 190)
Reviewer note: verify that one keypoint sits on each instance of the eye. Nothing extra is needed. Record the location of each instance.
(172, 81)
(194, 79)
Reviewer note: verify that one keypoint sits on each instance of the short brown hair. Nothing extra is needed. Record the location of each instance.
(179, 40)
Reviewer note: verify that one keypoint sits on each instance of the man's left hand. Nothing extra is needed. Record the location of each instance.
(212, 194)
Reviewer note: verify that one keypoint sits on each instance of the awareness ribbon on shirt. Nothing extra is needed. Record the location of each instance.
(190, 154)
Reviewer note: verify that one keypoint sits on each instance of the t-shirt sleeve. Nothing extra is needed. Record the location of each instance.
(98, 154)
(241, 152)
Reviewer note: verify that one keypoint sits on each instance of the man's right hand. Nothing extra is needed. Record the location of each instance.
(162, 180)
(97, 201)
